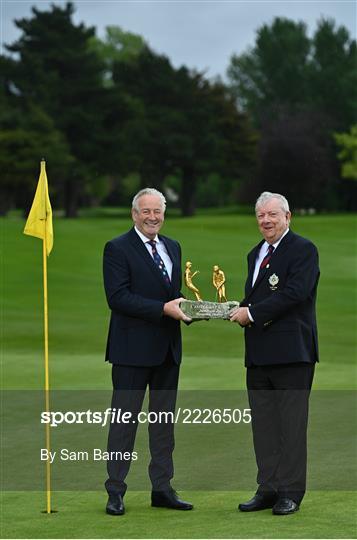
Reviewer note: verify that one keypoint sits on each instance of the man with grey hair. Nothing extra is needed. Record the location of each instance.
(142, 280)
(279, 320)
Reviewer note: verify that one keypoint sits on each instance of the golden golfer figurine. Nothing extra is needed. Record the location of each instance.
(202, 310)
(218, 280)
(188, 281)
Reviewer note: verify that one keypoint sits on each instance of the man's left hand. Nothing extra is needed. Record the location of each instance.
(241, 316)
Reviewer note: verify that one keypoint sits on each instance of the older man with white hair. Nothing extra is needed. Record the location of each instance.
(279, 320)
(142, 280)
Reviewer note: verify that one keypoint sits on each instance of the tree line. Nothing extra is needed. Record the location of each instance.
(111, 115)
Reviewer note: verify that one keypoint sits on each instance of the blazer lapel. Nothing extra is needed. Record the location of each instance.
(284, 244)
(260, 276)
(251, 268)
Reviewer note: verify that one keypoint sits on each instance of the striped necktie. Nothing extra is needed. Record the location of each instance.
(267, 257)
(158, 260)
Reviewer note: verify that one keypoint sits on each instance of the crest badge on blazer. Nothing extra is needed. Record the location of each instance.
(273, 282)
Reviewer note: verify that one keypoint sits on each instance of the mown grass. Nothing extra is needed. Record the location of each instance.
(213, 360)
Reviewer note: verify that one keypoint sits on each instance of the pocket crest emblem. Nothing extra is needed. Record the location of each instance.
(273, 282)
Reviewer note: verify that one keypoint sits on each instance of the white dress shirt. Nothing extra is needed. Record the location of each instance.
(160, 247)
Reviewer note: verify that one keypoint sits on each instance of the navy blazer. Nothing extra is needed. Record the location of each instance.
(282, 304)
(139, 333)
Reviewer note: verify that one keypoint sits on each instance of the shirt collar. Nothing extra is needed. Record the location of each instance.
(144, 238)
(275, 245)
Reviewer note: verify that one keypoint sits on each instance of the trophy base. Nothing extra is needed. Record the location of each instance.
(207, 310)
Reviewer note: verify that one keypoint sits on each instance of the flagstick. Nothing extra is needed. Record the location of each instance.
(47, 379)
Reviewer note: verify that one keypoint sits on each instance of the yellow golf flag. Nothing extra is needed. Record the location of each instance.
(39, 224)
(39, 221)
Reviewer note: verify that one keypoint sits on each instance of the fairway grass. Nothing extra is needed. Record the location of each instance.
(215, 515)
(212, 360)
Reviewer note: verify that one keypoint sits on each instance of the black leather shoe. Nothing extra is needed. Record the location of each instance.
(115, 505)
(169, 499)
(258, 502)
(285, 506)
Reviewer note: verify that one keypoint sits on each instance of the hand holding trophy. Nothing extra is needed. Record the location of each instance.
(200, 309)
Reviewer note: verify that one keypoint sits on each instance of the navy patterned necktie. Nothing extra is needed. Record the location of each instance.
(267, 257)
(158, 260)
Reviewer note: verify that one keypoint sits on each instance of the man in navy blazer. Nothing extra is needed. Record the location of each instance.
(279, 320)
(142, 280)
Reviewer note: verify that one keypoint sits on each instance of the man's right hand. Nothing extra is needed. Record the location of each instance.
(241, 316)
(172, 309)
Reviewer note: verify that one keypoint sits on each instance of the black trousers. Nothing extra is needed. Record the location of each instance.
(279, 401)
(129, 386)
